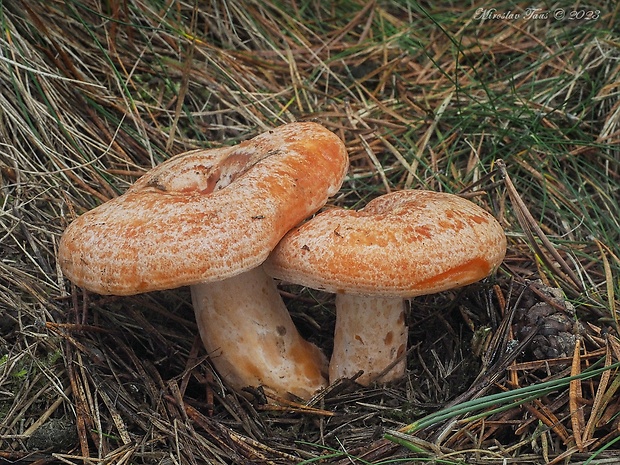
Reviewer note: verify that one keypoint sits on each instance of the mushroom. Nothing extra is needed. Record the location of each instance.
(208, 219)
(400, 245)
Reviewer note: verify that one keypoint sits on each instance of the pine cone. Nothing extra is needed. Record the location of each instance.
(545, 310)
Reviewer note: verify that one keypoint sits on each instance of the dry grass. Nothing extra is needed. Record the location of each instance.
(92, 94)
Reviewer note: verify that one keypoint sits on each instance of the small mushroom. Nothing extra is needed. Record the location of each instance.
(208, 219)
(404, 244)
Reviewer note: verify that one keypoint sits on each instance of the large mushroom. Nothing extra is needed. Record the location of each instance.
(208, 219)
(400, 245)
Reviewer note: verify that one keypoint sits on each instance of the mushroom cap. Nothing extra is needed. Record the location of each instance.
(204, 215)
(403, 244)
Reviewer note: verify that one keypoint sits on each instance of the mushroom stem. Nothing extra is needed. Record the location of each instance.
(370, 335)
(251, 338)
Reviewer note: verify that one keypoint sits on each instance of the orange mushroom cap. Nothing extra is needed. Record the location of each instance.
(403, 244)
(204, 215)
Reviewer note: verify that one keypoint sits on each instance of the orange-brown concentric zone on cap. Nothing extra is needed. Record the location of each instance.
(405, 244)
(205, 215)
